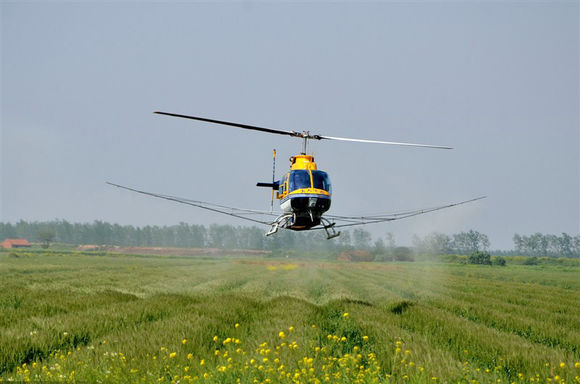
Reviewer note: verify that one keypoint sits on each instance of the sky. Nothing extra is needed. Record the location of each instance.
(497, 81)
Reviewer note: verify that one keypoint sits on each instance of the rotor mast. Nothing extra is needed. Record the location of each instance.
(305, 136)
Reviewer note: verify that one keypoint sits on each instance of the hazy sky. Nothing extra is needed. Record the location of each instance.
(497, 81)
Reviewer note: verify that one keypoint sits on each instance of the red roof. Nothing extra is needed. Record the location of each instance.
(12, 242)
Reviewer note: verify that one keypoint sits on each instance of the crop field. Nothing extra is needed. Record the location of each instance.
(67, 317)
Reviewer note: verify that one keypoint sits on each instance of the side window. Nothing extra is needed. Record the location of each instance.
(320, 180)
(283, 186)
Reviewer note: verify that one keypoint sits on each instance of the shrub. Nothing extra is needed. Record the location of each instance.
(403, 254)
(479, 257)
(383, 257)
(499, 261)
(356, 255)
(531, 261)
(400, 307)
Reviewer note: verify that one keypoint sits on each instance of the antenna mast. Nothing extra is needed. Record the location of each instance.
(273, 179)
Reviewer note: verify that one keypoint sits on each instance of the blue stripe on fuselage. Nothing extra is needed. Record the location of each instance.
(290, 197)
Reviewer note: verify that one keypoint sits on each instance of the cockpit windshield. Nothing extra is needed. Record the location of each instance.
(320, 180)
(298, 180)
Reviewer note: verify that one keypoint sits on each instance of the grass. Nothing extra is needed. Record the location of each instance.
(115, 318)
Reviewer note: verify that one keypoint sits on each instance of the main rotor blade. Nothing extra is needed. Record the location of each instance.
(383, 142)
(238, 125)
(305, 135)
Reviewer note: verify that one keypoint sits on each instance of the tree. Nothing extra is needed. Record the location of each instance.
(46, 237)
(361, 238)
(434, 243)
(379, 247)
(390, 239)
(471, 241)
(518, 243)
(565, 248)
(344, 239)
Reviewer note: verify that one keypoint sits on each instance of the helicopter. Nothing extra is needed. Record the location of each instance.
(304, 191)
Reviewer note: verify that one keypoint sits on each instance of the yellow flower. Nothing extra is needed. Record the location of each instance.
(189, 356)
(184, 341)
(172, 355)
(202, 362)
(237, 325)
(291, 329)
(281, 335)
(365, 338)
(215, 338)
(562, 365)
(577, 365)
(345, 315)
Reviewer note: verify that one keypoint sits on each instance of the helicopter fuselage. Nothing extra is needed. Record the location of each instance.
(305, 192)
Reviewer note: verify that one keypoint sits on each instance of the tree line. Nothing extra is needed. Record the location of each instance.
(180, 235)
(459, 243)
(541, 245)
(242, 237)
(537, 244)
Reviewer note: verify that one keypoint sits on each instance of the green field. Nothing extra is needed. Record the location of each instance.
(115, 318)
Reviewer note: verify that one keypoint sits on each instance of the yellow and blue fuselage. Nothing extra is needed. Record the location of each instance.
(304, 191)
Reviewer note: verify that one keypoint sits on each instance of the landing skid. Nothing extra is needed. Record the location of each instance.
(283, 221)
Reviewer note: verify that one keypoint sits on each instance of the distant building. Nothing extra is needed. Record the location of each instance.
(15, 243)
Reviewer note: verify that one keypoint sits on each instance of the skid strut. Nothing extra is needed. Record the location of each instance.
(329, 229)
(281, 221)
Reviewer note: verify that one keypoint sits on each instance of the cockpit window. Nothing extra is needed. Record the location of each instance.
(298, 180)
(320, 180)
